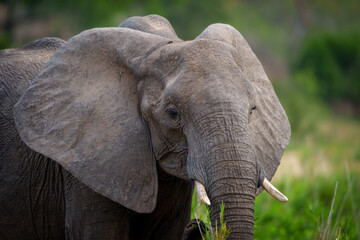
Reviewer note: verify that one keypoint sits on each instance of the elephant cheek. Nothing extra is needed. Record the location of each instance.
(174, 165)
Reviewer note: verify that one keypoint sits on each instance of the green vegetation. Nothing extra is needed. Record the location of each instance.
(307, 214)
(220, 232)
(332, 60)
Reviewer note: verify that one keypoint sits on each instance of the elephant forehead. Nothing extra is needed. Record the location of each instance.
(197, 60)
(207, 64)
(207, 54)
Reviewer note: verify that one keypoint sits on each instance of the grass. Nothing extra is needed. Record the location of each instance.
(319, 208)
(314, 211)
(209, 233)
(319, 174)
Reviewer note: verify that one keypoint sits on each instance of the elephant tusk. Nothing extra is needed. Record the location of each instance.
(273, 191)
(201, 192)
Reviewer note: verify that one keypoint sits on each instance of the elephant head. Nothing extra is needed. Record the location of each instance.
(113, 103)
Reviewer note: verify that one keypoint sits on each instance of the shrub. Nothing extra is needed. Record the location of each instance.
(333, 62)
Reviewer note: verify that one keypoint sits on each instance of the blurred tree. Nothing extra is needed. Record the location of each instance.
(187, 17)
(80, 14)
(334, 61)
(6, 27)
(301, 20)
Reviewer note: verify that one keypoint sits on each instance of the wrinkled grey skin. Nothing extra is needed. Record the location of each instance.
(30, 184)
(135, 114)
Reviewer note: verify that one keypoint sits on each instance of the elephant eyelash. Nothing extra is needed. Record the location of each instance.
(253, 108)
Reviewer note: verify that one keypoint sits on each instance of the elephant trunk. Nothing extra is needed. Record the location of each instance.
(223, 158)
(232, 182)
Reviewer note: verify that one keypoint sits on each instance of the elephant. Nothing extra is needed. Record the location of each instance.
(106, 135)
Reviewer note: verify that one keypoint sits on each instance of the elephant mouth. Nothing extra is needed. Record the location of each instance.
(273, 191)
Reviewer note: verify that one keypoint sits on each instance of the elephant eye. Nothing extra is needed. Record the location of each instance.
(172, 112)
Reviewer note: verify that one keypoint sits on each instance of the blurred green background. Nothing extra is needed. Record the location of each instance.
(310, 51)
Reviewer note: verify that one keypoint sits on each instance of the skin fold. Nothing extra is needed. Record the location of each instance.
(105, 134)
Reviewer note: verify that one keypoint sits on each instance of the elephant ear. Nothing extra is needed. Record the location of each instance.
(82, 111)
(153, 24)
(269, 125)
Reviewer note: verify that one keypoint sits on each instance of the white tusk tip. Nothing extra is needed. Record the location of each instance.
(201, 192)
(273, 191)
(205, 200)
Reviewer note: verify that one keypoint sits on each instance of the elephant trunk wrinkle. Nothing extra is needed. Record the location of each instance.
(227, 156)
(240, 221)
(234, 184)
(239, 208)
